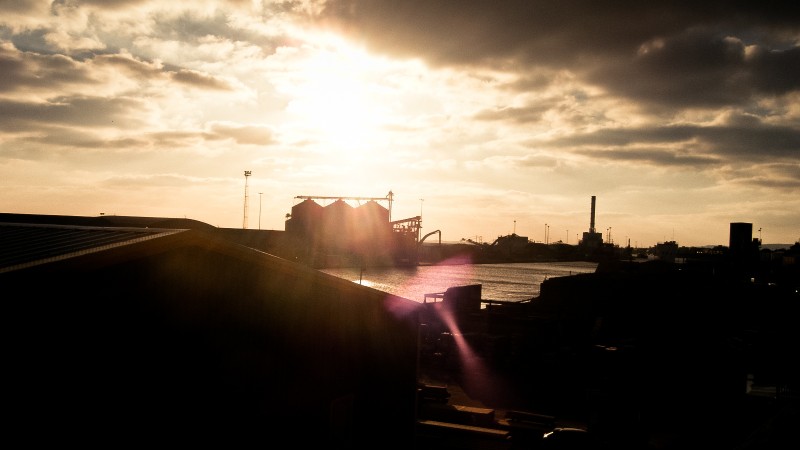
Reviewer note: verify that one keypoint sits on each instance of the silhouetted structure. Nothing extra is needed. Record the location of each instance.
(339, 234)
(666, 251)
(142, 335)
(743, 249)
(740, 239)
(592, 241)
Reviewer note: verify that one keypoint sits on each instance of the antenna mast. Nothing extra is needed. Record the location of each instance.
(246, 176)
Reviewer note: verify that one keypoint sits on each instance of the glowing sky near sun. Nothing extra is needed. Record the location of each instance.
(488, 117)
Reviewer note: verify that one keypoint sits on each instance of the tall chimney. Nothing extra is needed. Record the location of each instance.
(591, 223)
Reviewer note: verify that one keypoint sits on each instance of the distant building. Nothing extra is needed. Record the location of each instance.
(512, 243)
(666, 251)
(743, 249)
(741, 239)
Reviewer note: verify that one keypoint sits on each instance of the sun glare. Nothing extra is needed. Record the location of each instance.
(336, 98)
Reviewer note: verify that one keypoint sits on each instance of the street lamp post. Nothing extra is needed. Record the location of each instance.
(259, 209)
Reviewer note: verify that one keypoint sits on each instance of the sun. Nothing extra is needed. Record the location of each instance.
(336, 97)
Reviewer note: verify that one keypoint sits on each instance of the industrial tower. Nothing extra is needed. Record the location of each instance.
(246, 176)
(592, 239)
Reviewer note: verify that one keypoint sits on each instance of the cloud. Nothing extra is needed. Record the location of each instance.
(28, 73)
(651, 156)
(673, 54)
(23, 71)
(531, 113)
(756, 142)
(200, 80)
(244, 134)
(701, 68)
(73, 111)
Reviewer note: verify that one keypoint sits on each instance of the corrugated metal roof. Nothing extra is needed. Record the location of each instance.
(25, 245)
(106, 221)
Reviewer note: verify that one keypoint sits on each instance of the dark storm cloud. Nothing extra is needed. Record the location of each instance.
(654, 157)
(673, 53)
(744, 142)
(545, 31)
(702, 68)
(753, 143)
(776, 71)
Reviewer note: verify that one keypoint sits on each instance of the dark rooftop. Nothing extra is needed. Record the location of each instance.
(28, 244)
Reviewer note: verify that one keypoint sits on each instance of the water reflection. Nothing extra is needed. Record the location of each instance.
(510, 282)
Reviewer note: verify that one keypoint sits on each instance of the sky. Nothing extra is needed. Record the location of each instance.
(484, 117)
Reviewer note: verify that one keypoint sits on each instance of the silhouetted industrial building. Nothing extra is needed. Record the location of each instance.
(341, 234)
(592, 240)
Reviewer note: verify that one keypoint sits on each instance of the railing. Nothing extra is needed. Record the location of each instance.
(434, 296)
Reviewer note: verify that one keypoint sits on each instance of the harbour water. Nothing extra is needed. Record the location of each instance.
(506, 282)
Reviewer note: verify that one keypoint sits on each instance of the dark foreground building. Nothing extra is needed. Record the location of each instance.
(143, 335)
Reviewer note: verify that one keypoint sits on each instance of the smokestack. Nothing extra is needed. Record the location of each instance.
(591, 223)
